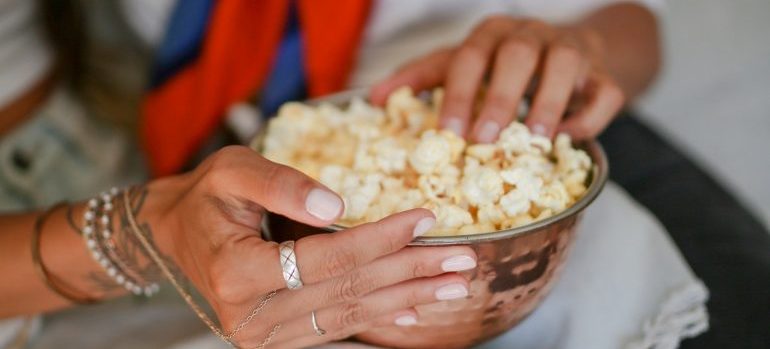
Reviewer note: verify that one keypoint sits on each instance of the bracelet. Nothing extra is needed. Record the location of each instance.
(96, 240)
(188, 298)
(42, 271)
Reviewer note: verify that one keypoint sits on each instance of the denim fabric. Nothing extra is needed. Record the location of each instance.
(63, 153)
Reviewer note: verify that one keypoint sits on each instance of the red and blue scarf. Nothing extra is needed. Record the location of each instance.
(216, 53)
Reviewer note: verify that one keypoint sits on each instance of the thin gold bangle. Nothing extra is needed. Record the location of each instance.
(42, 271)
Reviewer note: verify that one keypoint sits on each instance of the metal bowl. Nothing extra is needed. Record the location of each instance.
(516, 269)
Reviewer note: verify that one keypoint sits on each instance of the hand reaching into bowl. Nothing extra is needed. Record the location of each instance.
(577, 76)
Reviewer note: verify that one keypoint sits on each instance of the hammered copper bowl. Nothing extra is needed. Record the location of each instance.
(516, 269)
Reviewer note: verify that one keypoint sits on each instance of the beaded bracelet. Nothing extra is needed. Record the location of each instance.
(96, 241)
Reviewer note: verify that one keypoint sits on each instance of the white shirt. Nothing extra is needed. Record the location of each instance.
(399, 30)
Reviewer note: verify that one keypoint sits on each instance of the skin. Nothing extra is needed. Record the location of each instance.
(206, 223)
(577, 76)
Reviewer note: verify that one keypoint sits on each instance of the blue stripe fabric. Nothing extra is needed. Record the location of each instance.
(183, 39)
(286, 81)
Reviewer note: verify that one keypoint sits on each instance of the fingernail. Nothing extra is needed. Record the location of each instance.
(458, 263)
(322, 204)
(538, 129)
(406, 320)
(488, 132)
(455, 125)
(423, 225)
(451, 291)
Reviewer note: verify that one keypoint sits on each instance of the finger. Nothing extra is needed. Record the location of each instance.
(325, 256)
(515, 64)
(245, 175)
(334, 320)
(407, 264)
(424, 73)
(563, 63)
(466, 72)
(250, 267)
(402, 318)
(605, 99)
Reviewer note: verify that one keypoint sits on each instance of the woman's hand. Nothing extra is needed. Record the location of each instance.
(208, 222)
(508, 59)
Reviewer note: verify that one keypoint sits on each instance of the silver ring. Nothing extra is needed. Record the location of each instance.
(289, 265)
(318, 330)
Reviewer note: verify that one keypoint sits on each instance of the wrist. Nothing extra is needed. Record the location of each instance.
(154, 207)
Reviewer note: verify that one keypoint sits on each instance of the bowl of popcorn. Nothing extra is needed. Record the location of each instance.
(516, 202)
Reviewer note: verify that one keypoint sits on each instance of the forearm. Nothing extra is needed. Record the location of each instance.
(630, 44)
(68, 260)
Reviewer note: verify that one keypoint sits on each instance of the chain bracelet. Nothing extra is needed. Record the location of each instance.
(251, 316)
(154, 255)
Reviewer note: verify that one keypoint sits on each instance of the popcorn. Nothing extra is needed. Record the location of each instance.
(483, 186)
(432, 153)
(490, 213)
(450, 216)
(553, 196)
(515, 202)
(482, 152)
(524, 180)
(358, 192)
(386, 161)
(436, 187)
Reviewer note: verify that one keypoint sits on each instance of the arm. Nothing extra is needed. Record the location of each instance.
(206, 225)
(65, 256)
(578, 76)
(629, 34)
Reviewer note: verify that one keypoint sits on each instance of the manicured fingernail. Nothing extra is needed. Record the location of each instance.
(488, 132)
(406, 320)
(455, 125)
(423, 225)
(458, 263)
(451, 291)
(322, 204)
(538, 129)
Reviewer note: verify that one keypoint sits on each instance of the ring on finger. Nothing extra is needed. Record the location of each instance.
(318, 331)
(289, 265)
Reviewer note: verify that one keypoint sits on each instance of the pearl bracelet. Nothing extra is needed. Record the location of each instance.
(97, 239)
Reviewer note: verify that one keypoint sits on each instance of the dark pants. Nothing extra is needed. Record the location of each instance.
(726, 246)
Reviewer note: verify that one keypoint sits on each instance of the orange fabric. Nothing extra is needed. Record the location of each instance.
(234, 62)
(332, 30)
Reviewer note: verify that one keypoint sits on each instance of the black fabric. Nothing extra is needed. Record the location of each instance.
(727, 247)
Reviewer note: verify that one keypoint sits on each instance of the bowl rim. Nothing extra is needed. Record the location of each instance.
(599, 175)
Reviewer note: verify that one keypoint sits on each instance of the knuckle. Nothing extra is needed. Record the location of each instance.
(351, 314)
(471, 54)
(548, 108)
(566, 53)
(419, 268)
(351, 287)
(338, 260)
(582, 128)
(612, 92)
(500, 101)
(222, 287)
(459, 98)
(390, 241)
(520, 48)
(495, 20)
(412, 298)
